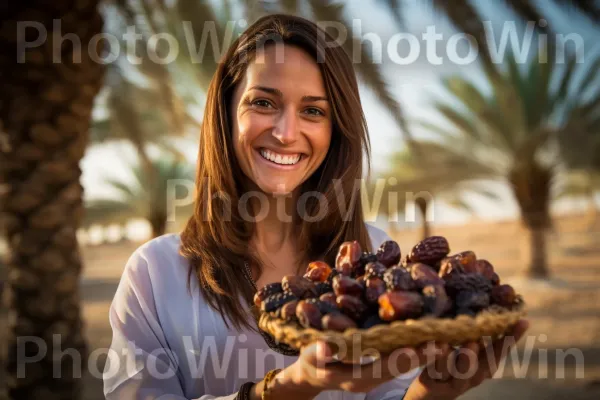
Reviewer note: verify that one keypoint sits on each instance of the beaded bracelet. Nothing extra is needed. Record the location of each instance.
(244, 392)
(265, 395)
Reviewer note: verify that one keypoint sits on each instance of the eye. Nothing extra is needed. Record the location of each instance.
(314, 111)
(262, 103)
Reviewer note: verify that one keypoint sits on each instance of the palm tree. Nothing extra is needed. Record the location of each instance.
(514, 125)
(583, 184)
(45, 108)
(446, 176)
(140, 199)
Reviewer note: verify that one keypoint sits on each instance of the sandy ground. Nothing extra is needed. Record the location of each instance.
(564, 313)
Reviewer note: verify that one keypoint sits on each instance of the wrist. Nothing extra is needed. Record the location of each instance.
(289, 385)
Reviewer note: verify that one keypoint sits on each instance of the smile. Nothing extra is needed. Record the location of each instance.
(281, 159)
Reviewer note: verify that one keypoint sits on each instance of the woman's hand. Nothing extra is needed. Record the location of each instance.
(454, 374)
(316, 371)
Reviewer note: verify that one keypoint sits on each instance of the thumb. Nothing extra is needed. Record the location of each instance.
(317, 354)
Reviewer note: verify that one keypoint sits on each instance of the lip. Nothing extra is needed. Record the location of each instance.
(279, 166)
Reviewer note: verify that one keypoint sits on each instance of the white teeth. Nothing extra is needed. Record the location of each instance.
(278, 158)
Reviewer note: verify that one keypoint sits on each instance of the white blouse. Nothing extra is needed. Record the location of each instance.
(170, 344)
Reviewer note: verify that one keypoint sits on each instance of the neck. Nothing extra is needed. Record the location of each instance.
(278, 227)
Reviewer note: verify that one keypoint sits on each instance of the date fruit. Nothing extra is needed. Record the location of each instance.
(367, 258)
(337, 322)
(389, 253)
(503, 295)
(266, 291)
(371, 321)
(323, 287)
(375, 287)
(467, 283)
(328, 298)
(424, 275)
(308, 314)
(449, 266)
(288, 311)
(400, 305)
(299, 286)
(352, 306)
(436, 301)
(468, 261)
(475, 301)
(275, 301)
(398, 278)
(348, 258)
(375, 269)
(485, 268)
(318, 271)
(346, 285)
(430, 250)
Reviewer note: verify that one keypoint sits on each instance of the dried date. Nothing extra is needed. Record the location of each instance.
(337, 322)
(346, 285)
(352, 306)
(299, 286)
(430, 250)
(389, 253)
(266, 291)
(348, 258)
(309, 315)
(375, 270)
(318, 271)
(400, 305)
(424, 275)
(375, 287)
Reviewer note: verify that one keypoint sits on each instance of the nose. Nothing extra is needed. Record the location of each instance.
(286, 129)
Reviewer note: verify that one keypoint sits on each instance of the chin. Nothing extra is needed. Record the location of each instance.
(278, 188)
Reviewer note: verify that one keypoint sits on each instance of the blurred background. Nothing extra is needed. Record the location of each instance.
(484, 120)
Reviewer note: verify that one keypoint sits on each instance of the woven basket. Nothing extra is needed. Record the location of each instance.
(351, 345)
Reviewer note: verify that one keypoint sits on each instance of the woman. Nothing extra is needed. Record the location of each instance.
(280, 158)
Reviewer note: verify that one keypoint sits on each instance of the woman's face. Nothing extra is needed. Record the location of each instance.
(281, 119)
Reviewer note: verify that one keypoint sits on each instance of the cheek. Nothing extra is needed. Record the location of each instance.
(320, 141)
(250, 127)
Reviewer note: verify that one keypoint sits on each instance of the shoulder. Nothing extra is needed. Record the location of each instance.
(377, 236)
(158, 258)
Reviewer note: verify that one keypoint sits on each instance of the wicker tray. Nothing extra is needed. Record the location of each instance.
(494, 322)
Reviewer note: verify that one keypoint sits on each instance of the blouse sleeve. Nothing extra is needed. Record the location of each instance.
(140, 364)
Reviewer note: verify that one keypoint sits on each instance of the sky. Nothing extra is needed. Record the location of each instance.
(414, 84)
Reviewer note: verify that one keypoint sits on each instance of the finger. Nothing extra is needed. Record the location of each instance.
(466, 365)
(442, 366)
(317, 354)
(511, 338)
(498, 349)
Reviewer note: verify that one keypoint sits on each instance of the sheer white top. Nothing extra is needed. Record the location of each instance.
(169, 344)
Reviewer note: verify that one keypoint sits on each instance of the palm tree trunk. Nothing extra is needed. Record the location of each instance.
(45, 109)
(425, 227)
(537, 267)
(531, 187)
(158, 222)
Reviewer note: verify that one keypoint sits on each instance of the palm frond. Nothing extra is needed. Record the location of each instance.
(370, 72)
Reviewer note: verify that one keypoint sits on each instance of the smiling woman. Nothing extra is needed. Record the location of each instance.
(282, 125)
(281, 153)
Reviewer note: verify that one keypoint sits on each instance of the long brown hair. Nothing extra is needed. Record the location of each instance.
(215, 239)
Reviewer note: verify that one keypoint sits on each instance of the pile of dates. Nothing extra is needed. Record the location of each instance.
(366, 289)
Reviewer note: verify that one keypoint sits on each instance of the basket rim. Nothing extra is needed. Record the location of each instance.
(269, 324)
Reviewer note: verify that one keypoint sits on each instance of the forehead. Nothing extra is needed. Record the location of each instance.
(287, 68)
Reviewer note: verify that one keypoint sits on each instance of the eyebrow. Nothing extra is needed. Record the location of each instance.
(278, 93)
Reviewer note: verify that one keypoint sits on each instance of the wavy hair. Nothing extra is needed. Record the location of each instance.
(215, 239)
